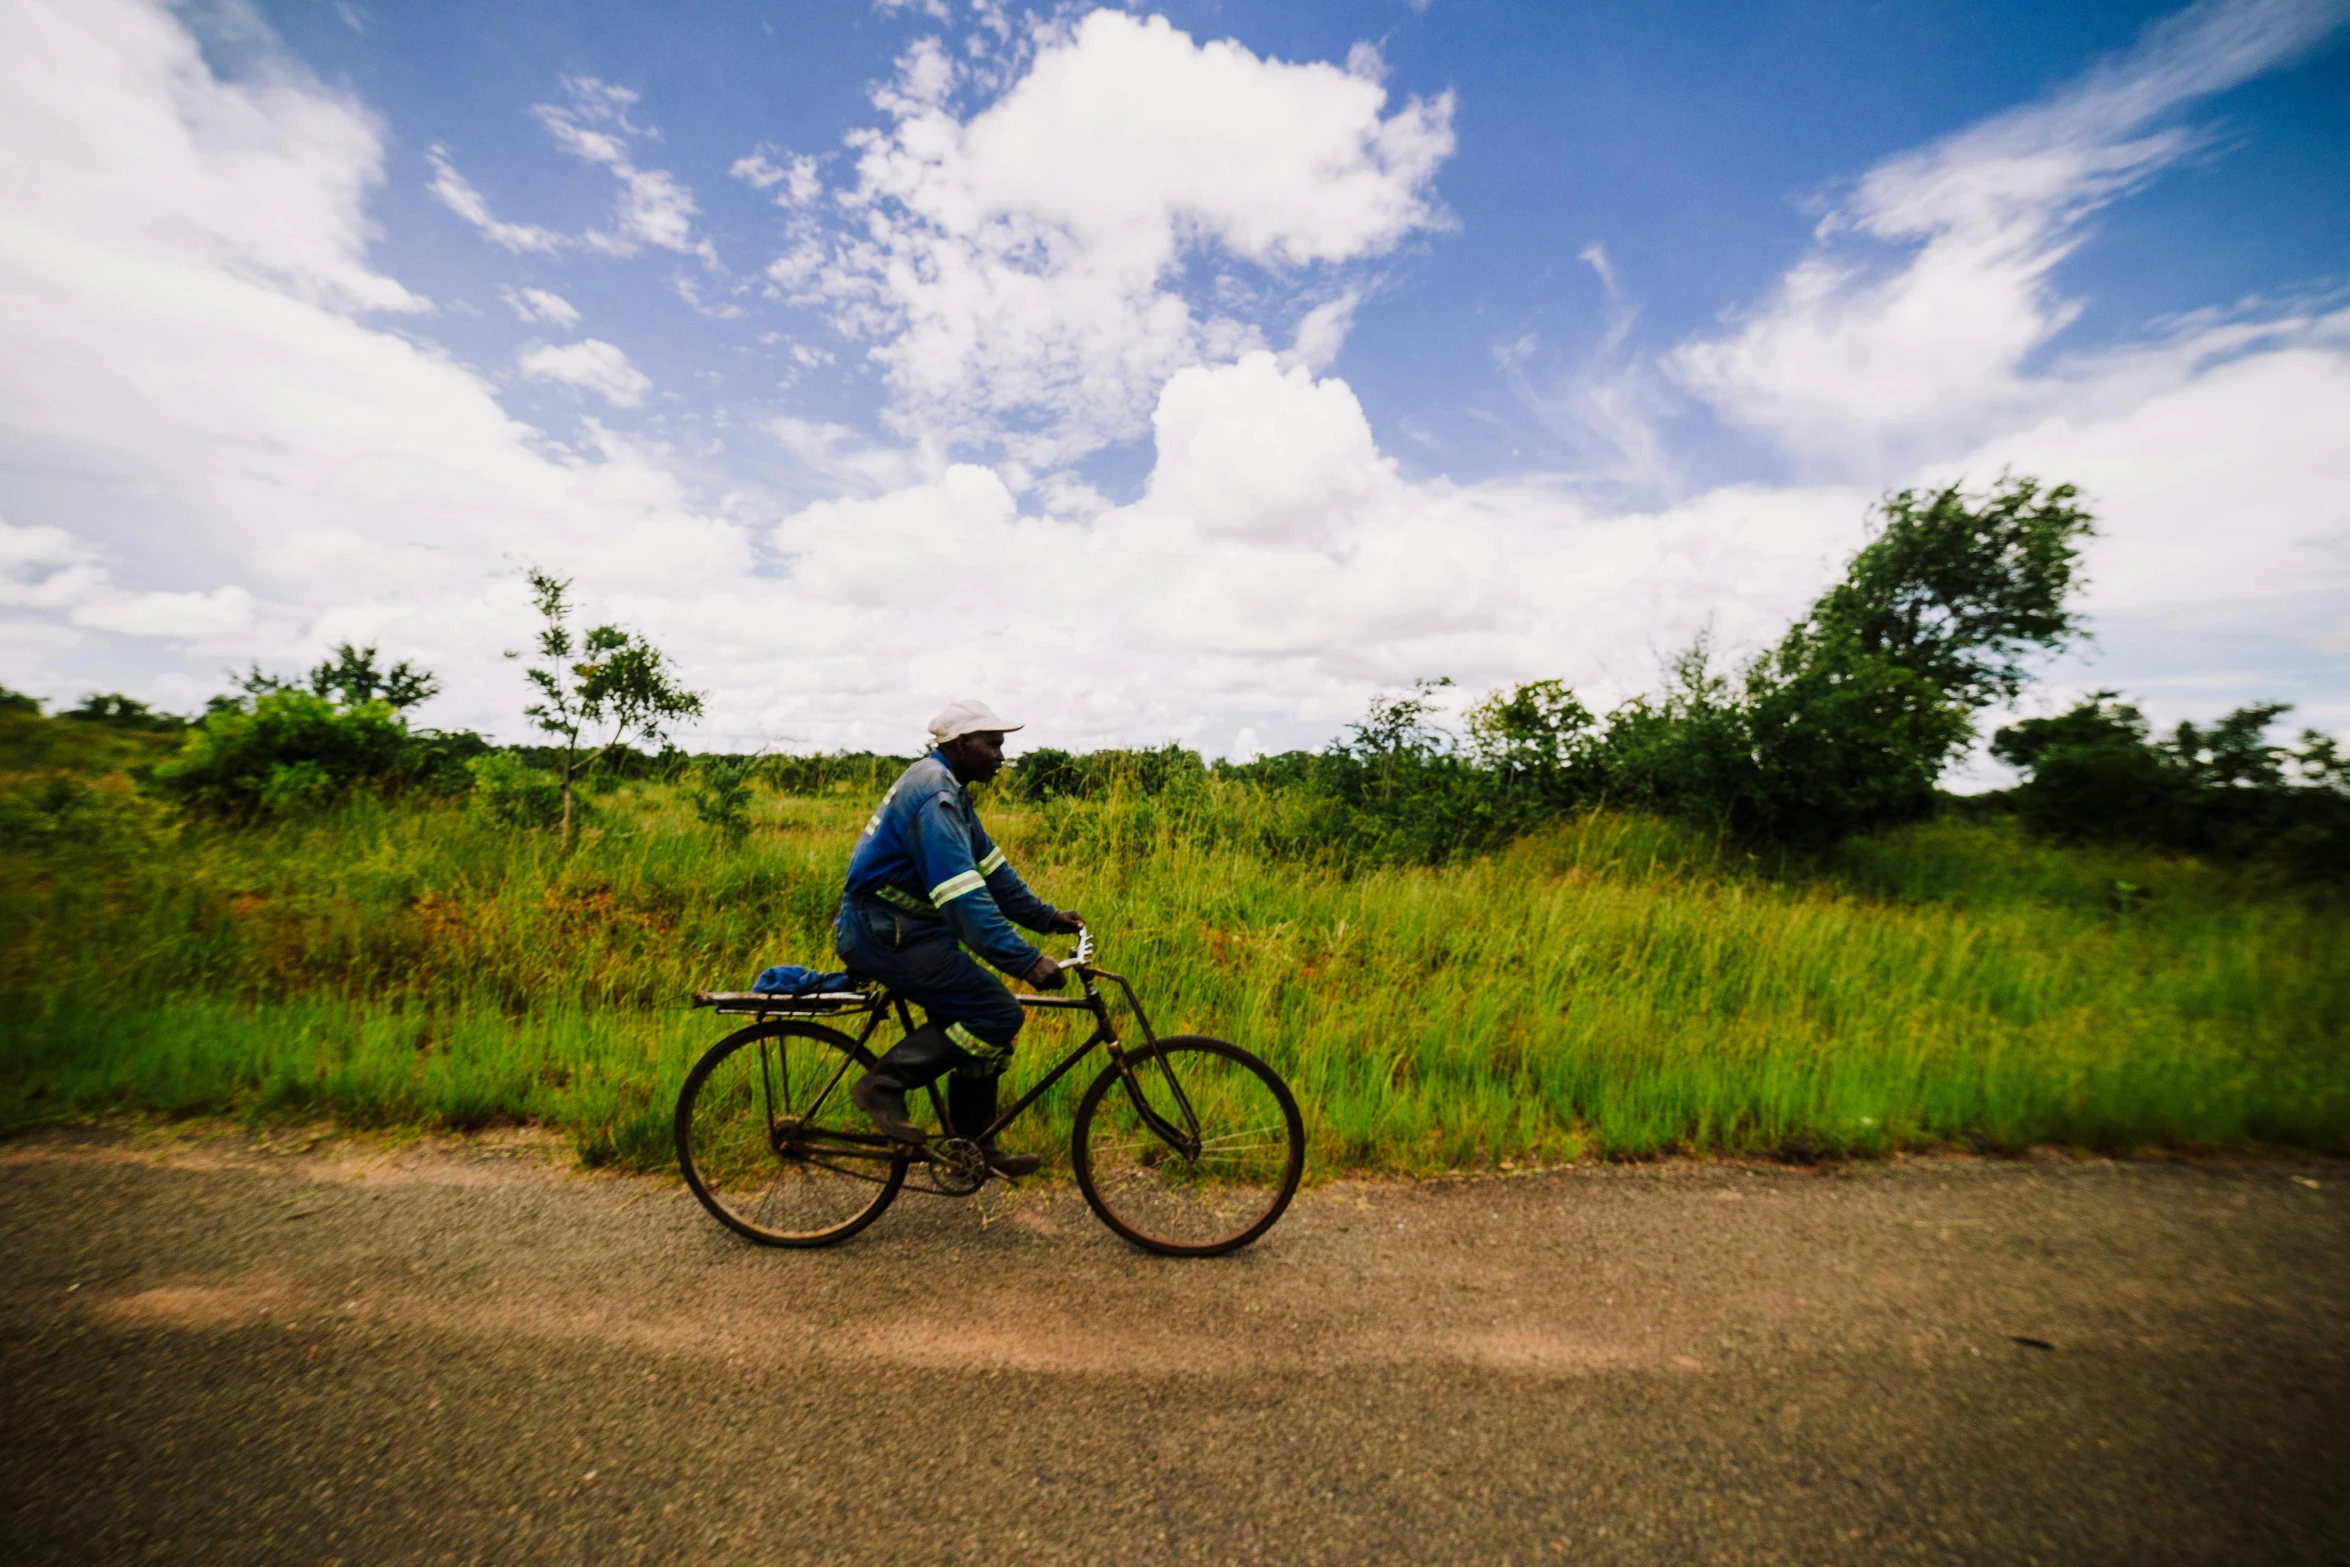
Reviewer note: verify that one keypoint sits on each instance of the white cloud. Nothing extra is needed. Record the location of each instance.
(2220, 468)
(1321, 332)
(46, 568)
(1276, 569)
(1858, 361)
(592, 365)
(654, 207)
(455, 192)
(204, 439)
(186, 615)
(268, 177)
(1607, 409)
(845, 459)
(798, 177)
(536, 304)
(1015, 270)
(201, 436)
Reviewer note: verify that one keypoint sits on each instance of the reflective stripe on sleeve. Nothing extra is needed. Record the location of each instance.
(993, 863)
(955, 886)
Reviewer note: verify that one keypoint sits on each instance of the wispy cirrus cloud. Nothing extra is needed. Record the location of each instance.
(457, 193)
(1912, 325)
(536, 304)
(654, 207)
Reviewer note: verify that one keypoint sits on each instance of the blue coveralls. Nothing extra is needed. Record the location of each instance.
(926, 882)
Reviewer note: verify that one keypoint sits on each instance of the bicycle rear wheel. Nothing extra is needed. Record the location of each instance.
(769, 1140)
(1192, 1148)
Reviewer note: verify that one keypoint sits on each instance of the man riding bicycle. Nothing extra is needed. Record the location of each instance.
(925, 883)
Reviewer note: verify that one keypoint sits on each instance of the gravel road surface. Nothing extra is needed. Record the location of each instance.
(222, 1349)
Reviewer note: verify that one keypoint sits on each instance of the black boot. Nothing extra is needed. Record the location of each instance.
(921, 1057)
(971, 1107)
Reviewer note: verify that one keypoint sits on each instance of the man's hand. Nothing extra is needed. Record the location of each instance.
(1046, 975)
(1067, 921)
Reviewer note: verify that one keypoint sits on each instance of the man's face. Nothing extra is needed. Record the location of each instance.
(976, 757)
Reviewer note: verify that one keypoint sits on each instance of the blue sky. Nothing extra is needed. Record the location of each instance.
(1190, 371)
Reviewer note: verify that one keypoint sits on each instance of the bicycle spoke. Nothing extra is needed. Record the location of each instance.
(1195, 1148)
(758, 1161)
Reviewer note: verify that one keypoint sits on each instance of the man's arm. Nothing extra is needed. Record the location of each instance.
(961, 890)
(1011, 894)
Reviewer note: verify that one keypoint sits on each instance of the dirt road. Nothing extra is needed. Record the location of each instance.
(215, 1350)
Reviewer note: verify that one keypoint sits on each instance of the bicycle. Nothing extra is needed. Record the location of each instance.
(1187, 1146)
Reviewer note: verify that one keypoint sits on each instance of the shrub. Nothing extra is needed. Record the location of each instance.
(721, 796)
(2097, 773)
(1046, 773)
(512, 791)
(291, 751)
(117, 711)
(857, 772)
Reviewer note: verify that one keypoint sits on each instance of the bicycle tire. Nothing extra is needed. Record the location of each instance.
(797, 1180)
(1249, 1157)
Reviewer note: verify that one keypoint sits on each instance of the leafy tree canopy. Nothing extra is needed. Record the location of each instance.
(609, 683)
(351, 677)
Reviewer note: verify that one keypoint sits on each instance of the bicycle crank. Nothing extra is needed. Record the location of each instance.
(957, 1166)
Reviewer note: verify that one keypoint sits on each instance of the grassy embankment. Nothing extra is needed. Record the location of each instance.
(1613, 987)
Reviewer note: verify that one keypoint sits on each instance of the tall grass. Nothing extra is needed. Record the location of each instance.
(1612, 986)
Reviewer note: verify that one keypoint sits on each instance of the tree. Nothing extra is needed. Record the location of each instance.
(1960, 590)
(610, 680)
(1851, 718)
(2098, 771)
(352, 678)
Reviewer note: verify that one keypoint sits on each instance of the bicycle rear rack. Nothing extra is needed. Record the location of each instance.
(769, 1003)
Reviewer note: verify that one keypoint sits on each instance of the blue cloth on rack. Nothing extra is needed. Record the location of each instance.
(790, 979)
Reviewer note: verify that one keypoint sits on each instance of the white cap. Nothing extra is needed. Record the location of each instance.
(967, 717)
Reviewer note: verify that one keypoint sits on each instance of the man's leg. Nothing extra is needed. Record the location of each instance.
(972, 1020)
(971, 1106)
(982, 1017)
(912, 1062)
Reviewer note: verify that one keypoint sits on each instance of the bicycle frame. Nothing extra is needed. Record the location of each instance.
(879, 1004)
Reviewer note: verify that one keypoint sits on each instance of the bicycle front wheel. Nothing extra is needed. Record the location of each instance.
(769, 1140)
(1190, 1147)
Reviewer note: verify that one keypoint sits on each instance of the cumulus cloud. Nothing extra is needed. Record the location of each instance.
(46, 568)
(1857, 358)
(1278, 567)
(845, 459)
(203, 437)
(592, 365)
(1015, 269)
(2223, 484)
(798, 177)
(206, 439)
(184, 615)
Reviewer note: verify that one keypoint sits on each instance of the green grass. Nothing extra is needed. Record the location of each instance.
(1613, 987)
